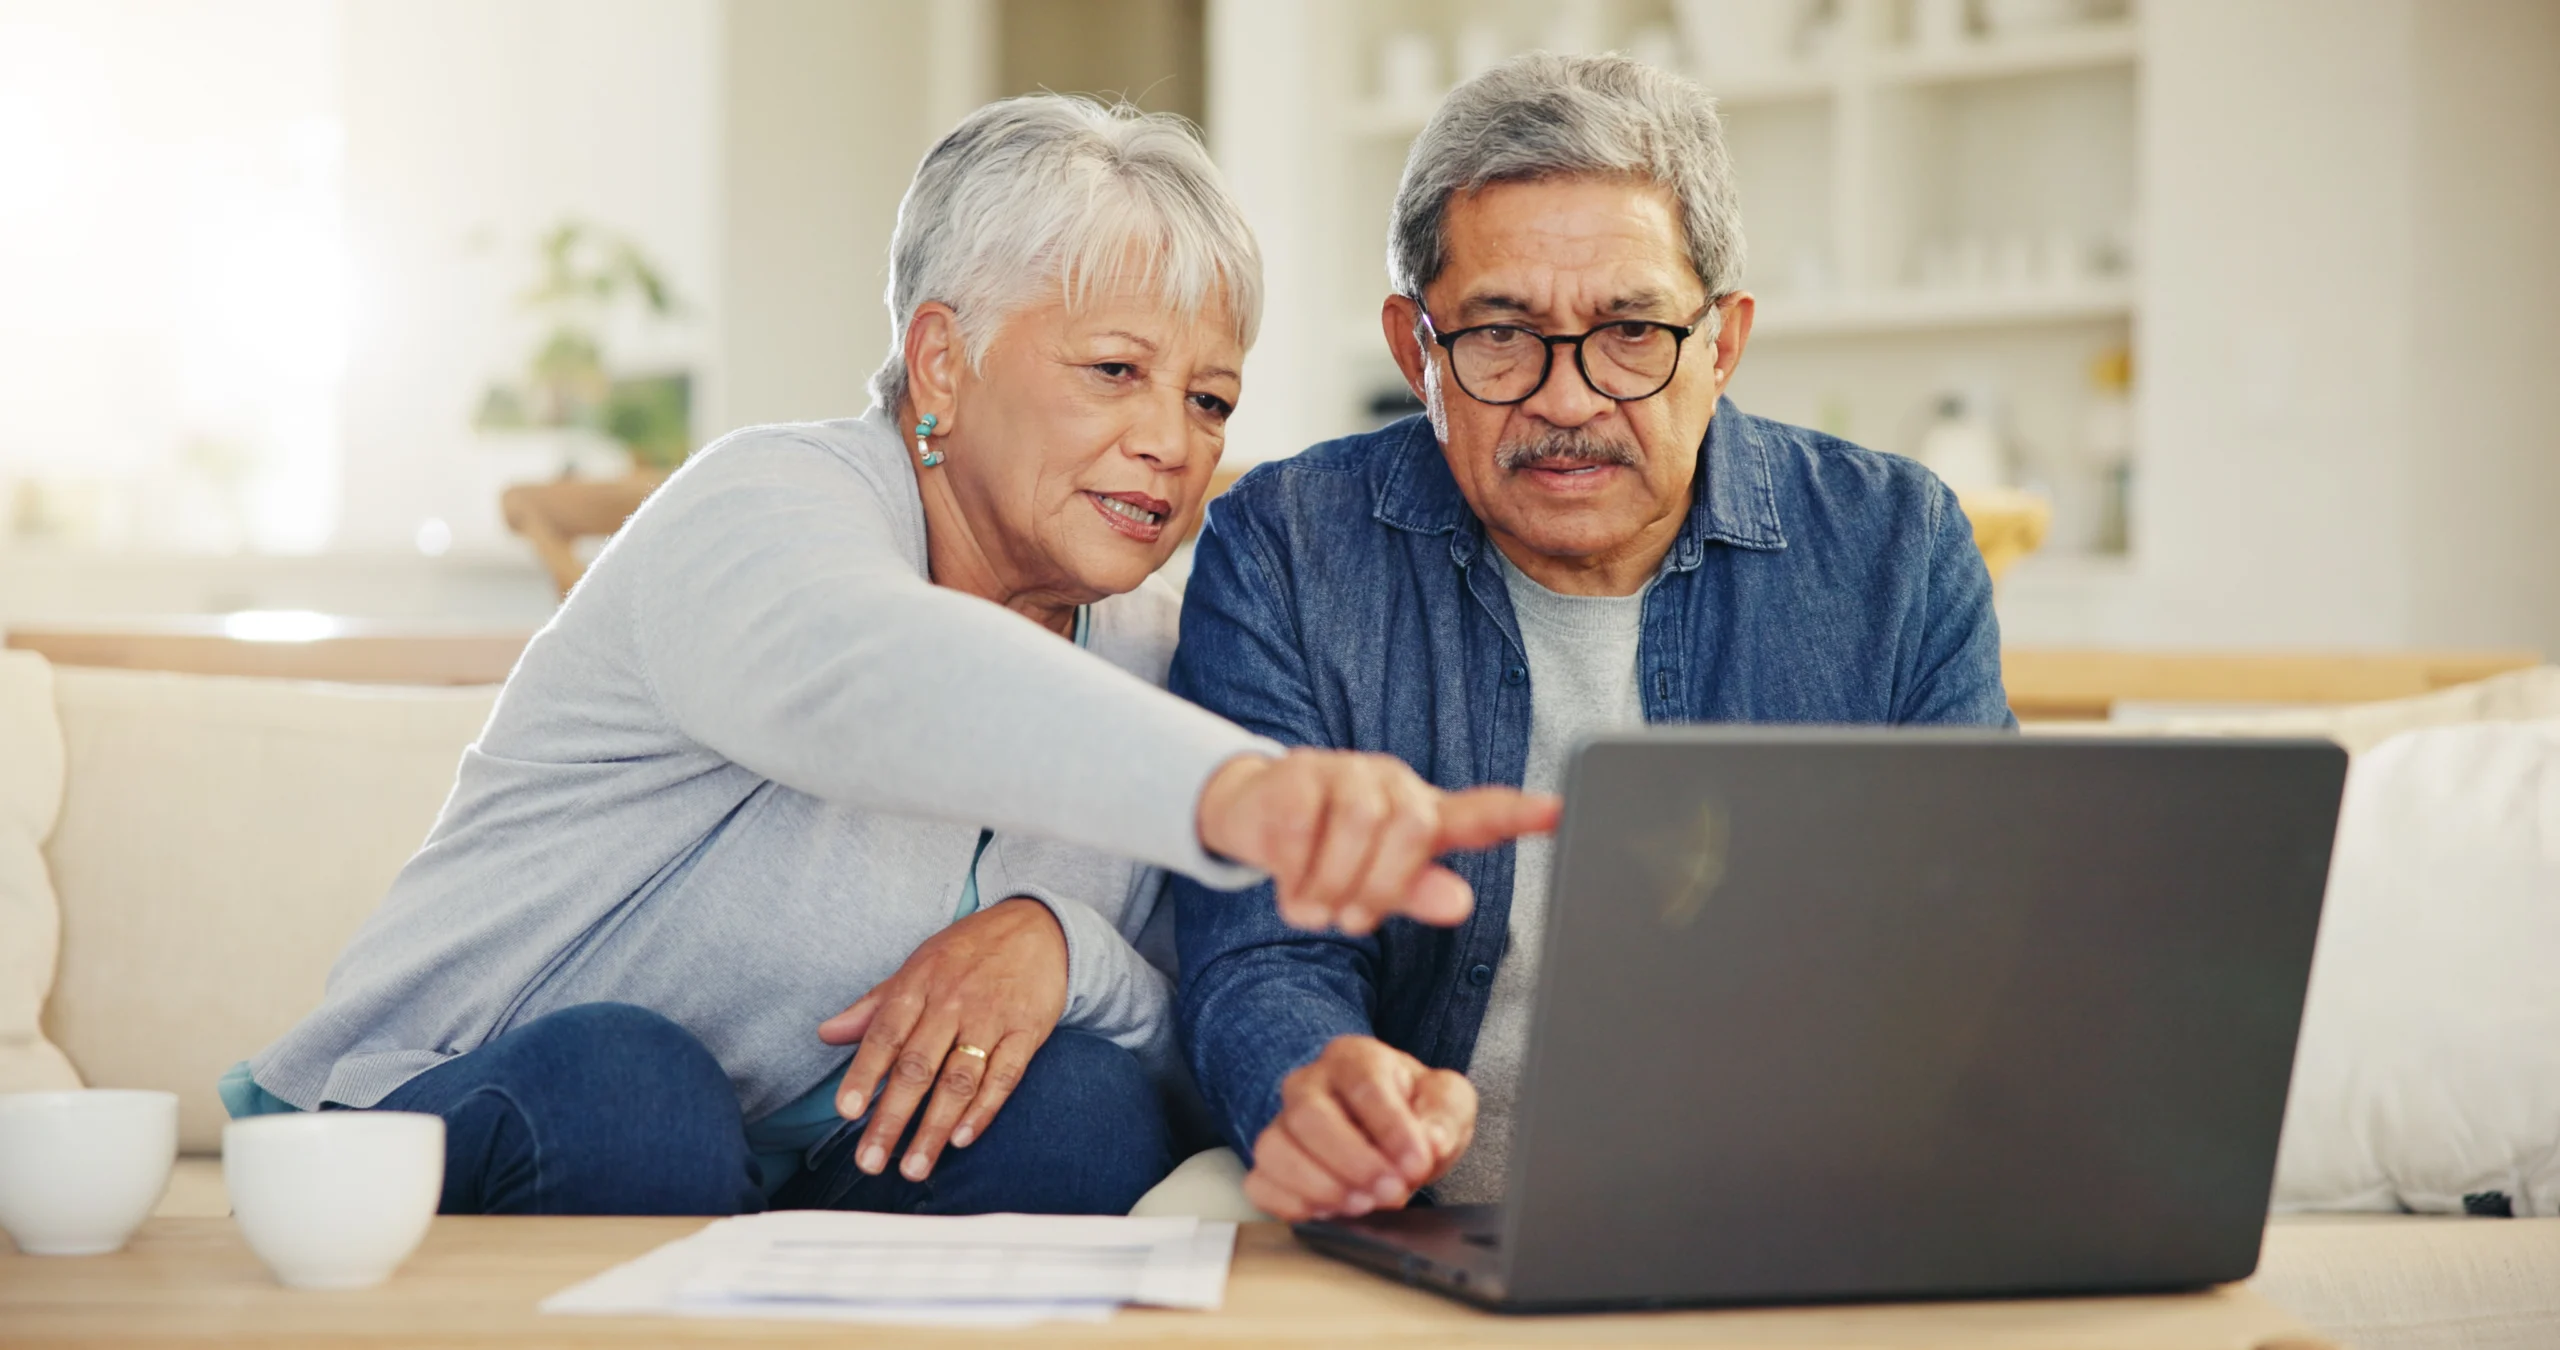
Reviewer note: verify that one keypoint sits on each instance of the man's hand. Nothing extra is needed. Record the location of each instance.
(1349, 838)
(996, 980)
(1361, 1128)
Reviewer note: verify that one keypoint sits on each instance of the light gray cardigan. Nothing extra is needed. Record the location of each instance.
(738, 779)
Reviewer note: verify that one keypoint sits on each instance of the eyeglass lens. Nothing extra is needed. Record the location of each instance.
(1629, 360)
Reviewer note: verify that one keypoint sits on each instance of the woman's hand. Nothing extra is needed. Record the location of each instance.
(1349, 838)
(995, 981)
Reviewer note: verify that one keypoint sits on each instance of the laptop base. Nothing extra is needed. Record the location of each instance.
(1453, 1251)
(1449, 1249)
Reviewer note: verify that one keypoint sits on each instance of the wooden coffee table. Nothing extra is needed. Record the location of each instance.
(477, 1280)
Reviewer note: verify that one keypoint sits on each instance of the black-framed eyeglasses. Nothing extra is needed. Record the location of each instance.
(1505, 363)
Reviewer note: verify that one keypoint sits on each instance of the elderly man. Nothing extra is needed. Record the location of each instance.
(1582, 534)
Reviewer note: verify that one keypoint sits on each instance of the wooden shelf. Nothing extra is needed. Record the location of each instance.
(1796, 84)
(2085, 685)
(2084, 48)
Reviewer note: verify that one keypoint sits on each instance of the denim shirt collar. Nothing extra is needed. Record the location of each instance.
(1734, 500)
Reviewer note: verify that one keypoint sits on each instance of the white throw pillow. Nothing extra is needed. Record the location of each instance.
(30, 920)
(2429, 1068)
(2517, 696)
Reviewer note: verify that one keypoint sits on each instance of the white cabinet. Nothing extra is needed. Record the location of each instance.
(2324, 231)
(1924, 218)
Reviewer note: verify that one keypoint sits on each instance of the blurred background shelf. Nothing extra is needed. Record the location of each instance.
(269, 267)
(1915, 311)
(1796, 85)
(2086, 47)
(1939, 224)
(2092, 46)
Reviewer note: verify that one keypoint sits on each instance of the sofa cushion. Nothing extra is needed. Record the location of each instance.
(30, 922)
(220, 839)
(2428, 1076)
(1208, 1185)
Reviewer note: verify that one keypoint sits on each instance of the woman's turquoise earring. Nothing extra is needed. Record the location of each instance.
(932, 457)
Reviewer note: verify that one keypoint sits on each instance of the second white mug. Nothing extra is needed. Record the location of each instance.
(334, 1199)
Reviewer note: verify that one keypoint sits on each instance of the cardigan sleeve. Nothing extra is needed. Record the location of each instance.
(780, 625)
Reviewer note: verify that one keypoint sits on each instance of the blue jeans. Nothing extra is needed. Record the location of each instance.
(1083, 1133)
(606, 1108)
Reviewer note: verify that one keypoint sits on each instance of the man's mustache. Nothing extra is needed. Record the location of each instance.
(1578, 447)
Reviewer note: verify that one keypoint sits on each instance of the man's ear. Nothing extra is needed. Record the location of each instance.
(1733, 336)
(1400, 316)
(933, 357)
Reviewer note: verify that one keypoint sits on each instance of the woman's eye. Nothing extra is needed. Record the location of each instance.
(1116, 370)
(1213, 405)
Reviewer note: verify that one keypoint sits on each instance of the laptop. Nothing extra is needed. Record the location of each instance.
(1830, 1015)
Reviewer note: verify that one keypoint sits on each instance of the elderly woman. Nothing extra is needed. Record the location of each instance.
(856, 734)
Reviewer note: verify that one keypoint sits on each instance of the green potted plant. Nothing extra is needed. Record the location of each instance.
(587, 278)
(585, 275)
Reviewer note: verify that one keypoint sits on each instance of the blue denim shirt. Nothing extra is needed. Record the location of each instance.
(1347, 598)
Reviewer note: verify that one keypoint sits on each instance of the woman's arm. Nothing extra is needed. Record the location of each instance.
(779, 623)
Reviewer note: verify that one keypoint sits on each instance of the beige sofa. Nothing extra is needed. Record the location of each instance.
(208, 843)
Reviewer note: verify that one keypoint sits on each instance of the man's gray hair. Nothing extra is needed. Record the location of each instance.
(1543, 116)
(1046, 193)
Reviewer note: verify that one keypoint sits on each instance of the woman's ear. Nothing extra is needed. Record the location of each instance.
(933, 358)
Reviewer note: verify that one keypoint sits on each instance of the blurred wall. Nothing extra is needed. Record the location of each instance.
(2351, 436)
(1152, 52)
(2274, 374)
(1268, 65)
(2484, 325)
(472, 126)
(827, 106)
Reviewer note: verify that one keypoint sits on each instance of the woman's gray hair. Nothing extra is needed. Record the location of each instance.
(1544, 116)
(1046, 193)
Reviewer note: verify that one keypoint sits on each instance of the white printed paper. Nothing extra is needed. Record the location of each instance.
(995, 1270)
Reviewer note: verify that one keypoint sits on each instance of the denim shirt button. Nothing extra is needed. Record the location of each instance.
(1479, 975)
(1515, 675)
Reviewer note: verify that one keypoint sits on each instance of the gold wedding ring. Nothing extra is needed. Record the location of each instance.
(968, 1050)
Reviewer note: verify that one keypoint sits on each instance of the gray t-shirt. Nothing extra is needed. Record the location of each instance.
(1582, 680)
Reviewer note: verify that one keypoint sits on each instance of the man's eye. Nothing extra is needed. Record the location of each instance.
(1500, 337)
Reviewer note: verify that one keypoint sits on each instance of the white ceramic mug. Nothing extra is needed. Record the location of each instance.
(334, 1199)
(80, 1170)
